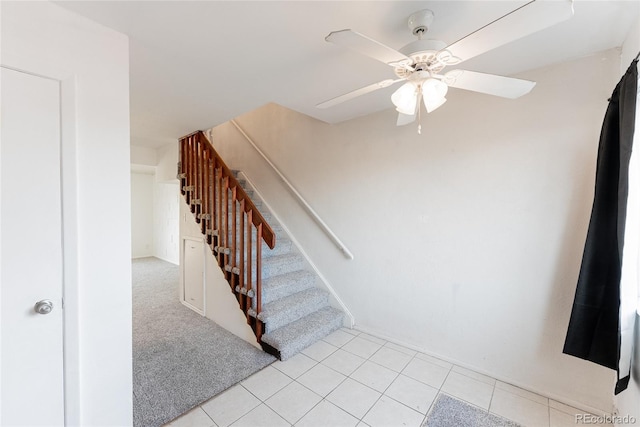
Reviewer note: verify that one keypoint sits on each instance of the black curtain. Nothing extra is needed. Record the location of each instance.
(594, 328)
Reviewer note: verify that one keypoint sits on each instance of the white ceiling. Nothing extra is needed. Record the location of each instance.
(198, 64)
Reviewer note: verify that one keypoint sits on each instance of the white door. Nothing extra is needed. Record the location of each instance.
(31, 374)
(194, 274)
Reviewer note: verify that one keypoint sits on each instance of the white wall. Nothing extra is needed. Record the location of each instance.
(142, 214)
(155, 203)
(92, 62)
(474, 229)
(167, 163)
(143, 155)
(166, 221)
(220, 304)
(628, 402)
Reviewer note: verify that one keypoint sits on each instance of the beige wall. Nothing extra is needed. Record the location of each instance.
(467, 238)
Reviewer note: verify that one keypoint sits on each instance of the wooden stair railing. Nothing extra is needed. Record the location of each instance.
(228, 219)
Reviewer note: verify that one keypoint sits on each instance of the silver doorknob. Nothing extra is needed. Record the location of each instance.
(43, 307)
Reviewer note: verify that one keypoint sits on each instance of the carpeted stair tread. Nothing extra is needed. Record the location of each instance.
(289, 309)
(287, 284)
(282, 285)
(295, 313)
(277, 228)
(298, 335)
(265, 214)
(280, 264)
(283, 246)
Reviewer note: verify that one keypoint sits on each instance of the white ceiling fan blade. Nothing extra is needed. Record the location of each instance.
(369, 47)
(506, 87)
(528, 19)
(347, 96)
(405, 119)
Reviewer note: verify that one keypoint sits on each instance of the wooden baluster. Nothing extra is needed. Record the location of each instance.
(243, 297)
(211, 200)
(234, 219)
(215, 226)
(249, 266)
(183, 166)
(258, 290)
(194, 172)
(189, 169)
(214, 198)
(225, 224)
(204, 205)
(219, 213)
(200, 181)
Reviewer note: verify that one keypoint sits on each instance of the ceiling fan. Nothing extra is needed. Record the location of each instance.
(421, 63)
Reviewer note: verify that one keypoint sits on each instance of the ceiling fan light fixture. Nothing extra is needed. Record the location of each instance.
(405, 98)
(434, 89)
(433, 104)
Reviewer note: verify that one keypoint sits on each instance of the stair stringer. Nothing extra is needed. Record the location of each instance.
(334, 299)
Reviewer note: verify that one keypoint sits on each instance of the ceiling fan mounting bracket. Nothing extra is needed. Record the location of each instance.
(420, 21)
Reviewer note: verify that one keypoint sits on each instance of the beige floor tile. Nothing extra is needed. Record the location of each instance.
(519, 409)
(338, 338)
(354, 397)
(468, 389)
(266, 382)
(412, 393)
(390, 358)
(372, 338)
(319, 351)
(375, 376)
(401, 349)
(426, 372)
(564, 408)
(293, 402)
(522, 392)
(343, 362)
(353, 332)
(321, 379)
(194, 418)
(475, 375)
(434, 360)
(262, 416)
(388, 412)
(561, 419)
(361, 347)
(295, 366)
(230, 406)
(327, 414)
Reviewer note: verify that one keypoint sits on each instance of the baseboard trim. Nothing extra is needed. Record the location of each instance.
(165, 259)
(557, 398)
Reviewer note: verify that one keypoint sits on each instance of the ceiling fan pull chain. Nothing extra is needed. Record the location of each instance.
(419, 109)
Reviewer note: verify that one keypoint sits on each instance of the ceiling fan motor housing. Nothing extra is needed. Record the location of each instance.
(423, 52)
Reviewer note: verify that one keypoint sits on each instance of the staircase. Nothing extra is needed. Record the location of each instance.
(272, 282)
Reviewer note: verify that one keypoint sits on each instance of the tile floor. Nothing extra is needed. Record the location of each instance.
(355, 379)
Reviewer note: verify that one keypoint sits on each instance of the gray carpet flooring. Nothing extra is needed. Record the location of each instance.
(180, 359)
(450, 412)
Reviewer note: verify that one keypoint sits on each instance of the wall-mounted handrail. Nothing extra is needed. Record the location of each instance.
(314, 215)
